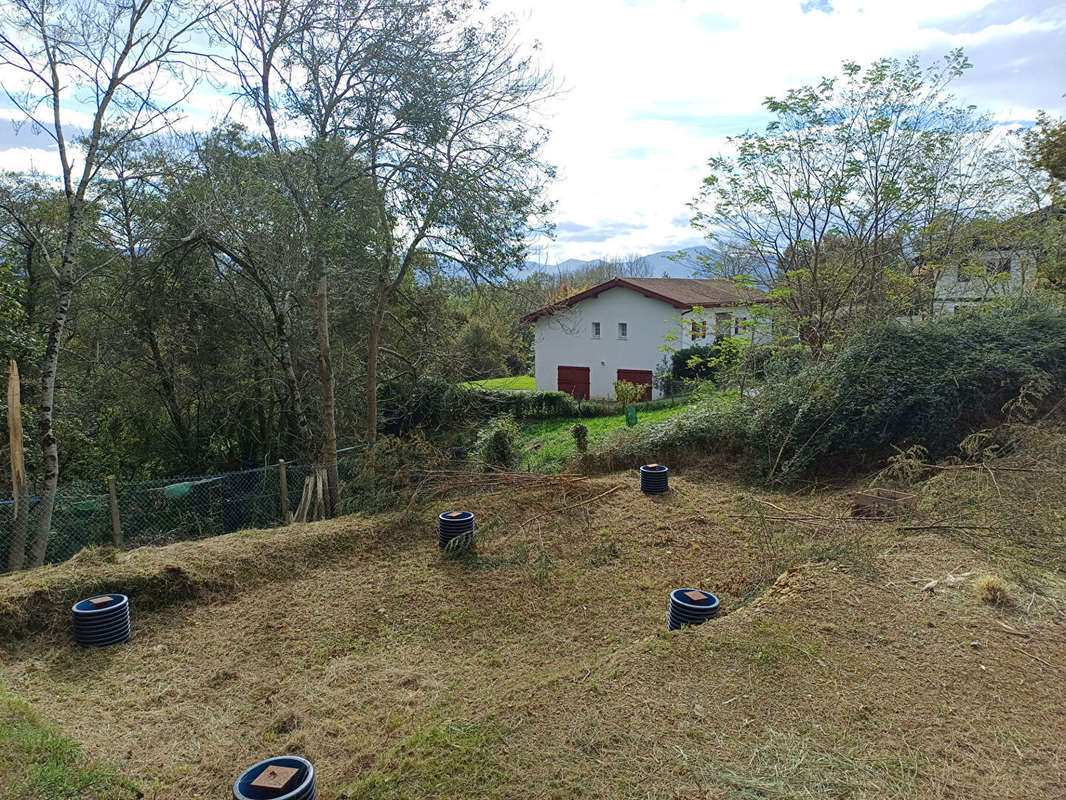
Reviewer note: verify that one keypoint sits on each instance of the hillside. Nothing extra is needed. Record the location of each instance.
(541, 667)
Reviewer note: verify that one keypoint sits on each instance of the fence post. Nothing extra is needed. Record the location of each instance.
(286, 514)
(116, 523)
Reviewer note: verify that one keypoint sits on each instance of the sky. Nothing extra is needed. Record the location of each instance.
(653, 87)
(650, 89)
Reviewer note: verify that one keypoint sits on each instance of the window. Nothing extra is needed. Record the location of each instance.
(699, 330)
(723, 324)
(998, 266)
(595, 330)
(623, 330)
(962, 276)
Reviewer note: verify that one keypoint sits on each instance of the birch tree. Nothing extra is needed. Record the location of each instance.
(93, 76)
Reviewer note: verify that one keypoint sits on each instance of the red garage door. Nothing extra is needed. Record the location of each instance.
(641, 377)
(574, 380)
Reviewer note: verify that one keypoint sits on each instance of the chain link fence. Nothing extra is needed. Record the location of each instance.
(166, 510)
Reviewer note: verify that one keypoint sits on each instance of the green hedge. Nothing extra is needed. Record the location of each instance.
(930, 383)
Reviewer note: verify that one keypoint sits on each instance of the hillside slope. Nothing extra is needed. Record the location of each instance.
(540, 667)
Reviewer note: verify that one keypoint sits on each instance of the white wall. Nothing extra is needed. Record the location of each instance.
(950, 292)
(565, 338)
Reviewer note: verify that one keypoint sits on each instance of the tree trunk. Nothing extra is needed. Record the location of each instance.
(373, 350)
(325, 376)
(307, 439)
(16, 557)
(170, 399)
(46, 410)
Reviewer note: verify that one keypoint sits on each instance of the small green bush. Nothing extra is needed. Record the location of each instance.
(581, 438)
(497, 444)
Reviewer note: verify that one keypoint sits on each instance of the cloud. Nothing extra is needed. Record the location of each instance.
(601, 232)
(824, 6)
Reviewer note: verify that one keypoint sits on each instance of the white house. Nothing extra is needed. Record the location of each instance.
(616, 330)
(994, 273)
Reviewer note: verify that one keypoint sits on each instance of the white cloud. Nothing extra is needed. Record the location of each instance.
(30, 159)
(668, 79)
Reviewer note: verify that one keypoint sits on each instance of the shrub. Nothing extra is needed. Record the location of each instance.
(894, 385)
(627, 393)
(992, 589)
(581, 438)
(497, 444)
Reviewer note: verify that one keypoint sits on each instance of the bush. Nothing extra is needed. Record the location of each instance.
(436, 405)
(627, 393)
(497, 444)
(581, 438)
(895, 385)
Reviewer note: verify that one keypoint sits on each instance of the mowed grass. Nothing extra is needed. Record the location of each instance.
(515, 383)
(539, 666)
(548, 445)
(38, 763)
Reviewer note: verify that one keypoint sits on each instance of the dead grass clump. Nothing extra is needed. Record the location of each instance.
(992, 590)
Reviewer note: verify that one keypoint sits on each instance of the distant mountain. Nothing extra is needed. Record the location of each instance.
(665, 262)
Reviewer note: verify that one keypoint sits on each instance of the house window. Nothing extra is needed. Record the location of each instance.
(699, 330)
(595, 330)
(723, 324)
(623, 330)
(962, 276)
(999, 266)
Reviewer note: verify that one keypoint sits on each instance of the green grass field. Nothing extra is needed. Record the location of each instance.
(548, 444)
(515, 383)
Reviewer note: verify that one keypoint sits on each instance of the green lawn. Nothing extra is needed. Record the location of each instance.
(547, 445)
(515, 383)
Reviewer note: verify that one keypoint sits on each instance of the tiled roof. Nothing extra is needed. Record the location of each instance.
(679, 292)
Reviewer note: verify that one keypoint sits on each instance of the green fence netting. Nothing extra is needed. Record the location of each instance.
(166, 510)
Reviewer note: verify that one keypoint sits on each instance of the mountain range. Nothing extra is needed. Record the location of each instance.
(666, 263)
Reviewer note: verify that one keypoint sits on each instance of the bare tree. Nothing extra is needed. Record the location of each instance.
(99, 74)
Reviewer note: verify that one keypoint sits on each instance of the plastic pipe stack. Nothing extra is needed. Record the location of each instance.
(102, 620)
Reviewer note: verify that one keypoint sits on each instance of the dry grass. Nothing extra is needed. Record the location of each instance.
(992, 589)
(539, 666)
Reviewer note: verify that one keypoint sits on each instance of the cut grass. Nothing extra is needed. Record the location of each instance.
(541, 668)
(548, 445)
(514, 383)
(38, 763)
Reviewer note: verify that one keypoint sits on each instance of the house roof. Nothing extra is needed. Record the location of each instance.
(681, 293)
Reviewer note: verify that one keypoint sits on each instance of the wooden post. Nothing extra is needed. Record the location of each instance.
(116, 523)
(286, 514)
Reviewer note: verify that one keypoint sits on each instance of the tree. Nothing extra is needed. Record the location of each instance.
(106, 60)
(853, 179)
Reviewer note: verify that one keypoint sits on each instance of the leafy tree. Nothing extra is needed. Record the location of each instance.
(853, 177)
(102, 59)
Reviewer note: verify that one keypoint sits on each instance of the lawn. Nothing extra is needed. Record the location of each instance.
(547, 445)
(539, 667)
(515, 383)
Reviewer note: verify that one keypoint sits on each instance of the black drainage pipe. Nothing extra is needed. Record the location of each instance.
(690, 607)
(278, 778)
(451, 525)
(654, 479)
(102, 620)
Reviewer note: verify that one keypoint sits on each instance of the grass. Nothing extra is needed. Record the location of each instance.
(540, 667)
(514, 383)
(548, 445)
(38, 763)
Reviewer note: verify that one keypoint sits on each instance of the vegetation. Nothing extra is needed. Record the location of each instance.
(533, 695)
(892, 386)
(516, 383)
(38, 763)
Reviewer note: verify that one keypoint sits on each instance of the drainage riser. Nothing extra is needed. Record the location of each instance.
(277, 778)
(101, 620)
(690, 607)
(654, 479)
(452, 525)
